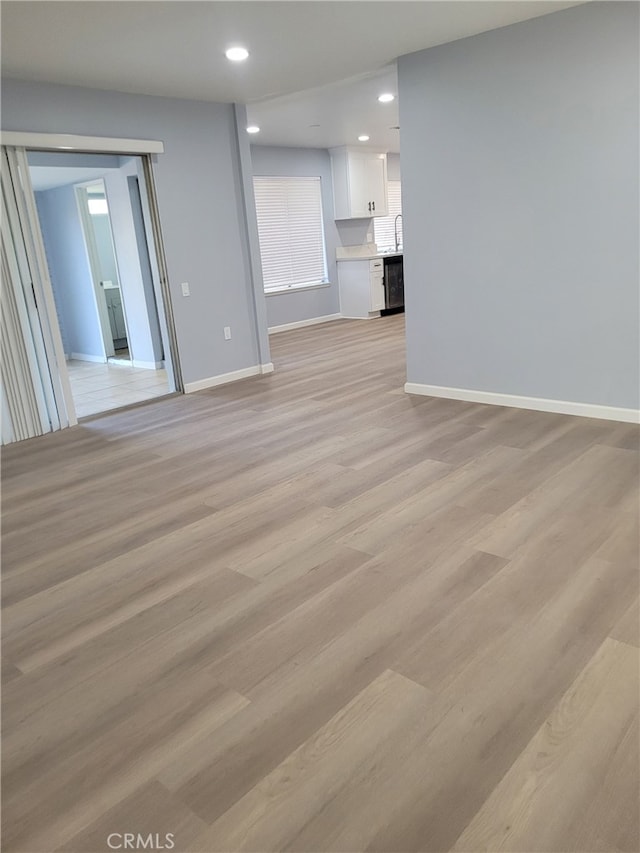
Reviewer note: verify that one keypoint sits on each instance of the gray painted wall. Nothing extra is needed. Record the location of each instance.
(520, 201)
(69, 271)
(201, 207)
(284, 308)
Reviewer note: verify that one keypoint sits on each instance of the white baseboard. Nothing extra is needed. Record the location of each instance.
(127, 362)
(83, 356)
(224, 378)
(370, 316)
(148, 365)
(538, 404)
(314, 321)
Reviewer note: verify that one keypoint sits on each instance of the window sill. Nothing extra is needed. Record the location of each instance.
(296, 288)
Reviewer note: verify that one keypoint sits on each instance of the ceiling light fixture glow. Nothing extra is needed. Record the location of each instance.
(253, 128)
(237, 54)
(386, 98)
(363, 138)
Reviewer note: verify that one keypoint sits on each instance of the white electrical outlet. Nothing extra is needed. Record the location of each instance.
(186, 290)
(227, 333)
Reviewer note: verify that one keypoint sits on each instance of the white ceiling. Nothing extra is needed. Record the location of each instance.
(177, 49)
(332, 115)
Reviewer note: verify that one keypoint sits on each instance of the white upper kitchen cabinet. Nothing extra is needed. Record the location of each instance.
(359, 183)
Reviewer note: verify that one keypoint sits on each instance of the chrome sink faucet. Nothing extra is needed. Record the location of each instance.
(395, 229)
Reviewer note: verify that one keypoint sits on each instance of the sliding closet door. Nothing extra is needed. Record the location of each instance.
(35, 392)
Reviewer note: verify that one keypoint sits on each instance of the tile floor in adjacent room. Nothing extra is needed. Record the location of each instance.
(100, 387)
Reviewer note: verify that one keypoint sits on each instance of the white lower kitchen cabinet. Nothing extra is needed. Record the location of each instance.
(361, 284)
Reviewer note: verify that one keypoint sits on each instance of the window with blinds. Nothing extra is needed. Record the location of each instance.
(384, 226)
(291, 231)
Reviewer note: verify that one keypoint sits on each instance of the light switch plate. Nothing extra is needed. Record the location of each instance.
(186, 290)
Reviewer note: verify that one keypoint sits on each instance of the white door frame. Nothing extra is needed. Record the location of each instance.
(81, 144)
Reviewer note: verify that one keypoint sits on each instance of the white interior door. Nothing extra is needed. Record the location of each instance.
(35, 389)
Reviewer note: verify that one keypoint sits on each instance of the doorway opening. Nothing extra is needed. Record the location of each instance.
(93, 212)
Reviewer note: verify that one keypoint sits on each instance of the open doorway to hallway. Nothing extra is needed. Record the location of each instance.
(94, 222)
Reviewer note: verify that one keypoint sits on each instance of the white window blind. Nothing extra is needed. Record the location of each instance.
(291, 232)
(383, 226)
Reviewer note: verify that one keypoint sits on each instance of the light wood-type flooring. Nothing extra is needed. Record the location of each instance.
(309, 612)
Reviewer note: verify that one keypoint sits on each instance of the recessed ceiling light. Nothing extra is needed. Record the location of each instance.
(237, 54)
(386, 98)
(253, 128)
(363, 138)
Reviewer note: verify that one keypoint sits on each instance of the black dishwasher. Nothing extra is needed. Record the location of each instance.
(393, 285)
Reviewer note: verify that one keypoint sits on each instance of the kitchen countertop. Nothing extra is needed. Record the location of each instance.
(372, 257)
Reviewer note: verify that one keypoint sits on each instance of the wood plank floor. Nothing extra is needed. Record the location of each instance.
(308, 612)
